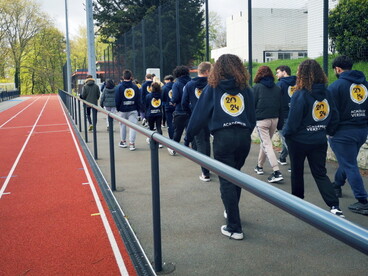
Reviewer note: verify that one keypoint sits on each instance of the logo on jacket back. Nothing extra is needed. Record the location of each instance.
(232, 104)
(358, 93)
(129, 93)
(149, 89)
(321, 110)
(291, 90)
(156, 102)
(198, 92)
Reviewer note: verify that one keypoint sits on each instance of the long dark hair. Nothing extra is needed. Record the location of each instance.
(226, 67)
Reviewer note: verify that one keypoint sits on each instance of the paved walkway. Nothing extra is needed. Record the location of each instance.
(276, 243)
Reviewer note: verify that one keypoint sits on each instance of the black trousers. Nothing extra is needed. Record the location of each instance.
(152, 121)
(316, 155)
(202, 144)
(231, 146)
(180, 122)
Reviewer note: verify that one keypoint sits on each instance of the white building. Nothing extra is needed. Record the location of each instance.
(277, 33)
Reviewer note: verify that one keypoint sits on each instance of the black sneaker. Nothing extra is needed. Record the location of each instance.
(258, 170)
(336, 211)
(276, 176)
(360, 208)
(282, 161)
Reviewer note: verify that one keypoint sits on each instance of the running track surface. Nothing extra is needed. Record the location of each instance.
(53, 219)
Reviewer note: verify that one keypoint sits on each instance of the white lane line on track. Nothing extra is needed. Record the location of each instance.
(20, 112)
(21, 152)
(110, 235)
(50, 125)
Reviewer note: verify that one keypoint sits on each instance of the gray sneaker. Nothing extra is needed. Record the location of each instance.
(360, 208)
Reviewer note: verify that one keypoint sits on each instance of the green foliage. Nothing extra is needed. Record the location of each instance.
(348, 28)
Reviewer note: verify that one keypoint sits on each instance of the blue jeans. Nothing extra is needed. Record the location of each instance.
(346, 144)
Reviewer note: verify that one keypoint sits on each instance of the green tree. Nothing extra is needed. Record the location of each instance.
(217, 31)
(20, 20)
(348, 28)
(42, 70)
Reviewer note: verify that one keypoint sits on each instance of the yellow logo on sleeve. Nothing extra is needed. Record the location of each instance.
(198, 92)
(129, 93)
(358, 93)
(149, 89)
(170, 94)
(156, 102)
(232, 104)
(291, 90)
(321, 110)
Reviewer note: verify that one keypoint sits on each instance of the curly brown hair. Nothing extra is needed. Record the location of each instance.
(226, 67)
(309, 73)
(263, 71)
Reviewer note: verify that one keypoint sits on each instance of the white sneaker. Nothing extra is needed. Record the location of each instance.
(131, 146)
(123, 144)
(204, 178)
(148, 140)
(160, 146)
(171, 151)
(231, 235)
(225, 214)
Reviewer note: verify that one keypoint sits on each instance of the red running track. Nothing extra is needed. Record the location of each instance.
(53, 219)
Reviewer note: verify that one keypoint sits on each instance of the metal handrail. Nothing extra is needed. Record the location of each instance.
(341, 229)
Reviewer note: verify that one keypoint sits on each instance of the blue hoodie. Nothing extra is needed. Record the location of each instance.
(154, 104)
(287, 85)
(127, 97)
(177, 93)
(145, 89)
(350, 93)
(222, 107)
(191, 92)
(166, 97)
(312, 116)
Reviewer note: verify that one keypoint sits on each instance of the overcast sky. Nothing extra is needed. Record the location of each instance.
(77, 15)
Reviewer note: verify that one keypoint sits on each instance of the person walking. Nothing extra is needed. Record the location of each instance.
(90, 93)
(226, 105)
(107, 100)
(168, 106)
(145, 89)
(191, 93)
(127, 100)
(267, 97)
(287, 84)
(312, 116)
(350, 93)
(154, 109)
(180, 116)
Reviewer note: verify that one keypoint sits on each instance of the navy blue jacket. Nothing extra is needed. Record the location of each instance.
(350, 95)
(145, 89)
(191, 92)
(312, 116)
(166, 97)
(154, 105)
(287, 85)
(177, 93)
(222, 107)
(127, 97)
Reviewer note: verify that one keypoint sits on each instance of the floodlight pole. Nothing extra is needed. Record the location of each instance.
(90, 40)
(68, 62)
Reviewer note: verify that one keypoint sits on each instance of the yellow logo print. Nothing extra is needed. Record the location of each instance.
(291, 90)
(156, 102)
(321, 110)
(198, 92)
(232, 104)
(358, 93)
(129, 93)
(170, 94)
(149, 89)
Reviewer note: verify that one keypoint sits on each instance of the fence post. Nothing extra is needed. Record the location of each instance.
(94, 123)
(85, 122)
(155, 177)
(112, 153)
(80, 117)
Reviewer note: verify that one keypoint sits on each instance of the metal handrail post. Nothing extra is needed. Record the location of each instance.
(112, 154)
(156, 206)
(85, 122)
(80, 117)
(94, 123)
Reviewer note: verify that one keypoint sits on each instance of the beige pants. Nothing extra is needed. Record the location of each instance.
(266, 128)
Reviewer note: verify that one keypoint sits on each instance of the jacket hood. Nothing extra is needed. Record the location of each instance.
(289, 80)
(109, 90)
(156, 95)
(229, 86)
(183, 79)
(319, 91)
(200, 82)
(353, 76)
(267, 81)
(128, 84)
(90, 81)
